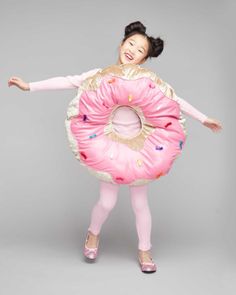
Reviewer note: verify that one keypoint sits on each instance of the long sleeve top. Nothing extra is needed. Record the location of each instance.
(125, 121)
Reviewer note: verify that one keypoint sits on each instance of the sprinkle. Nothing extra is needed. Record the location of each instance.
(111, 80)
(180, 144)
(139, 162)
(119, 178)
(159, 148)
(130, 97)
(111, 156)
(83, 155)
(92, 136)
(84, 117)
(159, 175)
(152, 85)
(105, 105)
(169, 123)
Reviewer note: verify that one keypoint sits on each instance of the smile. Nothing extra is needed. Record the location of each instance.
(128, 56)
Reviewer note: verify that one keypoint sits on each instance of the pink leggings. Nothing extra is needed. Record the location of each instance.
(107, 201)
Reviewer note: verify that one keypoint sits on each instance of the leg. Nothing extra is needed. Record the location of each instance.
(141, 209)
(106, 202)
(143, 224)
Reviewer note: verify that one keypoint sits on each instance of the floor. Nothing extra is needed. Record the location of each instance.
(56, 267)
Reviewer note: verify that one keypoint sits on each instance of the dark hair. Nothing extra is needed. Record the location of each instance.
(156, 45)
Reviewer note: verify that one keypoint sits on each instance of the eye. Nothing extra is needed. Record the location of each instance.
(140, 51)
(130, 43)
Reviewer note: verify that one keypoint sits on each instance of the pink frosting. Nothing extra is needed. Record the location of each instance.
(101, 153)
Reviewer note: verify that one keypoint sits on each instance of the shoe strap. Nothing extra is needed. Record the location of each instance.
(87, 237)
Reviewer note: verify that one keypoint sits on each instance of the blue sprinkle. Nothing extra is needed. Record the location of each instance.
(159, 147)
(85, 117)
(92, 136)
(180, 144)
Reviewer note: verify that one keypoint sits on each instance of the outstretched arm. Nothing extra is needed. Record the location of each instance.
(67, 82)
(188, 109)
(55, 83)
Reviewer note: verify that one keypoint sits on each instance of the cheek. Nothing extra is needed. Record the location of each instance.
(143, 56)
(140, 57)
(123, 50)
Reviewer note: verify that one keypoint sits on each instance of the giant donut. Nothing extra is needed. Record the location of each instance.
(114, 158)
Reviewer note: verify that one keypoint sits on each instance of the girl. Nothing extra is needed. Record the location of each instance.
(136, 47)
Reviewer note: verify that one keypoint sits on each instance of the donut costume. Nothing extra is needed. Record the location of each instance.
(125, 124)
(117, 157)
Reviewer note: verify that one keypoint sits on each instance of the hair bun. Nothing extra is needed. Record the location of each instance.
(157, 46)
(135, 26)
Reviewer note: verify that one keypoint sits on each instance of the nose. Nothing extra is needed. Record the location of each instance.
(131, 52)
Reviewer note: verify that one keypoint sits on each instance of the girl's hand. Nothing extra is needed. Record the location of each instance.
(213, 124)
(19, 83)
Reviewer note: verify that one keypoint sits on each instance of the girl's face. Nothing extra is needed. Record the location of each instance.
(133, 50)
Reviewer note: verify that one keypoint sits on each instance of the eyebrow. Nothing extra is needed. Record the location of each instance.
(140, 46)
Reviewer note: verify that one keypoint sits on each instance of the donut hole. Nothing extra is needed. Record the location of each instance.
(126, 122)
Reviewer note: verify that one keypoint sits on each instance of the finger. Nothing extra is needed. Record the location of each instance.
(14, 77)
(217, 125)
(13, 80)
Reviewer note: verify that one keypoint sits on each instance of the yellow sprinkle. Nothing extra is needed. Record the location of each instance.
(139, 162)
(130, 97)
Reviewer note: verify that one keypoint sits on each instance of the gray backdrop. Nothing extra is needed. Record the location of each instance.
(47, 196)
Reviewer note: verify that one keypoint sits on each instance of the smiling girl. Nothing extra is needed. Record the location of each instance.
(135, 48)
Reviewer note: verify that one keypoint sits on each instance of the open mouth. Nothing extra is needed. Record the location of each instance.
(128, 56)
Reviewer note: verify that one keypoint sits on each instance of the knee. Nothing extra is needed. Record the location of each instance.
(139, 200)
(107, 205)
(108, 195)
(139, 206)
